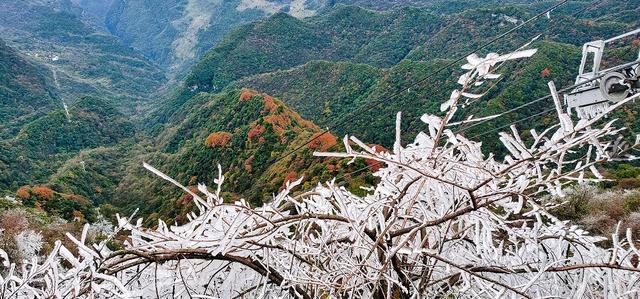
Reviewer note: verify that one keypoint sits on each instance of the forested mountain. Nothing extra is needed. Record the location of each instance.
(328, 66)
(49, 144)
(244, 131)
(358, 35)
(388, 53)
(26, 91)
(82, 59)
(346, 33)
(330, 92)
(43, 144)
(176, 33)
(65, 88)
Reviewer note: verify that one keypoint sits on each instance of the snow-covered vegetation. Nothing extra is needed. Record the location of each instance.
(444, 221)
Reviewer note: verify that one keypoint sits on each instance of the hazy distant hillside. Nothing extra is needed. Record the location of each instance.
(82, 59)
(175, 33)
(94, 10)
(472, 28)
(281, 42)
(613, 10)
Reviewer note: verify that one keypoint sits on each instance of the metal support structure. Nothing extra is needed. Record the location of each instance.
(597, 87)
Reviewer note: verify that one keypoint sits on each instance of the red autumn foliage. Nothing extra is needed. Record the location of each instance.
(42, 192)
(23, 193)
(185, 199)
(261, 140)
(218, 139)
(256, 131)
(323, 142)
(269, 104)
(636, 42)
(279, 121)
(545, 73)
(247, 95)
(291, 176)
(373, 164)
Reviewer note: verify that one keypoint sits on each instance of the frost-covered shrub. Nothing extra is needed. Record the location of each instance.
(29, 244)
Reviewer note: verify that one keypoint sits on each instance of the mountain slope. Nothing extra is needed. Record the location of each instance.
(329, 93)
(281, 41)
(82, 59)
(474, 27)
(26, 91)
(176, 33)
(379, 39)
(46, 143)
(244, 131)
(325, 92)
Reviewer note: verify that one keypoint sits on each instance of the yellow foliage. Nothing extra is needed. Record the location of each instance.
(78, 216)
(269, 104)
(279, 121)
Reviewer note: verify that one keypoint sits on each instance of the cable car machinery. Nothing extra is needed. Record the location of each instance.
(598, 88)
